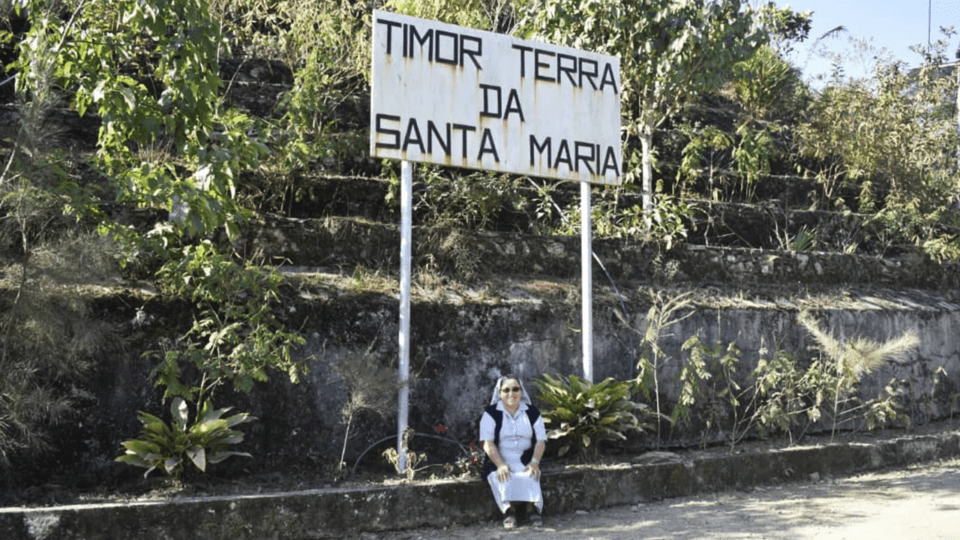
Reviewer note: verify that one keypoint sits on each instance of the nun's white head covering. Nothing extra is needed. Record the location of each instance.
(524, 396)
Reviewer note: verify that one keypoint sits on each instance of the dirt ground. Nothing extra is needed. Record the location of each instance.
(917, 503)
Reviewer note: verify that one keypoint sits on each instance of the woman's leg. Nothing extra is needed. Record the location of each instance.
(533, 514)
(510, 519)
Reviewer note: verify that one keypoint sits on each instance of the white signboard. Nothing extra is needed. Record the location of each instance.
(454, 96)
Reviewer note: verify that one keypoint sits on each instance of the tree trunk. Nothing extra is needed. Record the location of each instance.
(646, 143)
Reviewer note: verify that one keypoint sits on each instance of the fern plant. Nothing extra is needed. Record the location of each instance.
(583, 415)
(204, 441)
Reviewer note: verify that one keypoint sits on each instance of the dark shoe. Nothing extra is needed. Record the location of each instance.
(510, 522)
(536, 521)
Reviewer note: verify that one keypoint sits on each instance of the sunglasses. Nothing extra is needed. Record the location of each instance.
(508, 390)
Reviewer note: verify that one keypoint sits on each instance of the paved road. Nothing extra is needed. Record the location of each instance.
(916, 503)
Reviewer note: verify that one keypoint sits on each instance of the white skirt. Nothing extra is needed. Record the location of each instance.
(520, 487)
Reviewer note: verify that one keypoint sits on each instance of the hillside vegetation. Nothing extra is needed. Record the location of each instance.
(139, 137)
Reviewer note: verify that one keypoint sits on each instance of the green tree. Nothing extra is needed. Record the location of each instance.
(772, 99)
(669, 51)
(891, 137)
(313, 126)
(467, 13)
(149, 70)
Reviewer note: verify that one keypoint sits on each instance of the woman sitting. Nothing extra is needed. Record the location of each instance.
(514, 437)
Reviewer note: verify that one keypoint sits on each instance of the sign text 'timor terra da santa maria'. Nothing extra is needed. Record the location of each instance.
(455, 96)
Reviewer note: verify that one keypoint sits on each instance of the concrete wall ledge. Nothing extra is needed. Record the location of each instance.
(346, 512)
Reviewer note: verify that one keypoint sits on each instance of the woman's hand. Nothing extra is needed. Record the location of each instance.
(534, 469)
(503, 470)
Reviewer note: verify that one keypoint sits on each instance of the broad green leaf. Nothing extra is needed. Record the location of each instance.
(99, 91)
(180, 412)
(133, 459)
(170, 464)
(129, 98)
(220, 456)
(198, 455)
(141, 447)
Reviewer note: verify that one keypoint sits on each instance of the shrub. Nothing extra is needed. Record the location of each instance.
(844, 364)
(237, 335)
(586, 414)
(206, 440)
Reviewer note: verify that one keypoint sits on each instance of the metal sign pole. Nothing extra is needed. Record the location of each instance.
(586, 276)
(406, 243)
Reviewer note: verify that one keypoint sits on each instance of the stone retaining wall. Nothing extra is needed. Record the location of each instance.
(340, 513)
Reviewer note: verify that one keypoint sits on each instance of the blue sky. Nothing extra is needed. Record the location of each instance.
(891, 24)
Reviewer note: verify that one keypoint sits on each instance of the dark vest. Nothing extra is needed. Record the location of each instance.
(533, 414)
